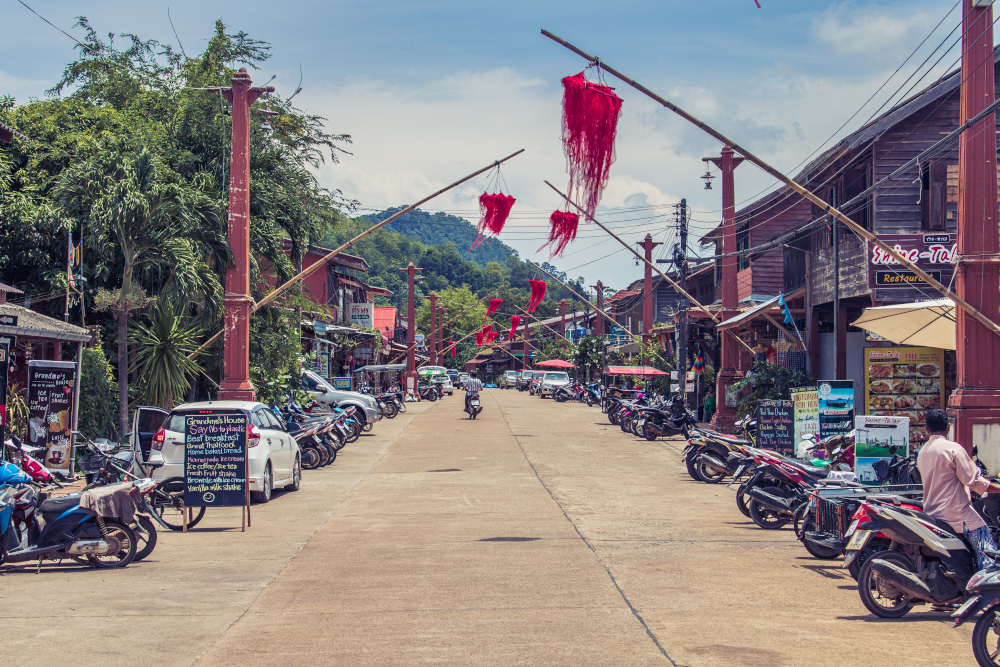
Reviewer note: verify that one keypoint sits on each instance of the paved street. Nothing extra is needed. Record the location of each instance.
(536, 534)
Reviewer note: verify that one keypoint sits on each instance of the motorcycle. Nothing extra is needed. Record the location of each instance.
(984, 587)
(428, 392)
(664, 421)
(473, 406)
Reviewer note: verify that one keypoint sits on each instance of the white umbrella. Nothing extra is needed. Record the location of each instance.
(924, 323)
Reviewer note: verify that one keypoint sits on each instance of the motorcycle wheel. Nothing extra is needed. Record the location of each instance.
(390, 411)
(590, 401)
(146, 540)
(613, 417)
(871, 596)
(691, 469)
(633, 427)
(767, 518)
(648, 433)
(815, 550)
(875, 545)
(559, 398)
(324, 455)
(310, 458)
(707, 473)
(354, 432)
(127, 546)
(741, 502)
(432, 396)
(167, 503)
(330, 453)
(402, 406)
(985, 636)
(474, 413)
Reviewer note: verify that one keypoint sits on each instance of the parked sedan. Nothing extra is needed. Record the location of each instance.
(274, 459)
(550, 380)
(462, 379)
(507, 380)
(443, 383)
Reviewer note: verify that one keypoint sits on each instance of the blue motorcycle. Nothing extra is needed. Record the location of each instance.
(66, 531)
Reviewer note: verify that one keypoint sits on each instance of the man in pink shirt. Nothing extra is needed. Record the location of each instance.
(948, 473)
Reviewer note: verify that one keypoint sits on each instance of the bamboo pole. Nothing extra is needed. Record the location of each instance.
(314, 267)
(563, 336)
(826, 208)
(451, 321)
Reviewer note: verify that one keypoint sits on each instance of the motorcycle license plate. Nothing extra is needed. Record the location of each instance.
(961, 611)
(474, 403)
(642, 422)
(854, 547)
(736, 475)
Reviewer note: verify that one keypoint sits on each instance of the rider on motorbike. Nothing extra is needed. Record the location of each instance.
(948, 473)
(472, 386)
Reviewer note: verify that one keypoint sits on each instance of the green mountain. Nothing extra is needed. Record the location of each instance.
(435, 229)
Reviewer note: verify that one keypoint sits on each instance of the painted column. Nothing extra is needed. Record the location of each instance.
(647, 287)
(439, 343)
(411, 331)
(432, 336)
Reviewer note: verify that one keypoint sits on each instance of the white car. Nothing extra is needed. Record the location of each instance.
(274, 459)
(443, 382)
(550, 381)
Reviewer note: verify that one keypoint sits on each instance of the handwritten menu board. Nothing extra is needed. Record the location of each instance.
(50, 410)
(904, 382)
(806, 400)
(776, 426)
(215, 467)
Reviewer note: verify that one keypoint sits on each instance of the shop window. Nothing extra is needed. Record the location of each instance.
(933, 184)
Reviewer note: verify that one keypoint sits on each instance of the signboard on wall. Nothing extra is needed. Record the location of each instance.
(776, 426)
(806, 401)
(877, 439)
(6, 345)
(836, 407)
(50, 410)
(362, 353)
(904, 382)
(343, 384)
(933, 253)
(362, 314)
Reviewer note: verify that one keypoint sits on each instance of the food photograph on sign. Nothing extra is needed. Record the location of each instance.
(904, 382)
(877, 439)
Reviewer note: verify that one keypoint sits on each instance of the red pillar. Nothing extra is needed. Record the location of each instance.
(977, 399)
(725, 416)
(411, 333)
(235, 385)
(647, 287)
(440, 335)
(524, 343)
(432, 337)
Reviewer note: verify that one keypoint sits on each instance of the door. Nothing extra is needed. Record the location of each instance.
(145, 423)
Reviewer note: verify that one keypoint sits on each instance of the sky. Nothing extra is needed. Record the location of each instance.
(430, 91)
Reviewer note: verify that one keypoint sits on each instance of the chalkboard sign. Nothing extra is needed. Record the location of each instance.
(215, 465)
(776, 426)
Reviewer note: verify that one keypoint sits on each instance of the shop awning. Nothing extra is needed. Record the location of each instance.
(555, 363)
(381, 368)
(924, 323)
(633, 370)
(748, 315)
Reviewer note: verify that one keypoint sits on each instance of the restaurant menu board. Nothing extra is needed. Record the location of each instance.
(806, 400)
(776, 426)
(836, 407)
(215, 465)
(904, 382)
(50, 410)
(6, 345)
(876, 440)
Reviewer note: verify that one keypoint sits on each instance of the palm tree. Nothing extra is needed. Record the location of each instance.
(162, 356)
(145, 222)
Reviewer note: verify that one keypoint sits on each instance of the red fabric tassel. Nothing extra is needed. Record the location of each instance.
(479, 338)
(590, 123)
(493, 209)
(491, 337)
(538, 288)
(515, 322)
(494, 305)
(562, 230)
(454, 351)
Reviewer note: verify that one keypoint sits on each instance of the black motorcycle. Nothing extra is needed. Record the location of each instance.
(665, 420)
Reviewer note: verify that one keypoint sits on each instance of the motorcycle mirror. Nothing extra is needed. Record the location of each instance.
(975, 450)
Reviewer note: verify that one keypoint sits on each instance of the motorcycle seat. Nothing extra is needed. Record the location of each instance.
(59, 505)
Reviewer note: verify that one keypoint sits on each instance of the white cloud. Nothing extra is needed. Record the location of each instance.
(21, 89)
(849, 29)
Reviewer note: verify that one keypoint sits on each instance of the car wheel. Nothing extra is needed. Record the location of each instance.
(267, 483)
(296, 476)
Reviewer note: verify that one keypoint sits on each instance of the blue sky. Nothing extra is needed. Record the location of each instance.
(432, 90)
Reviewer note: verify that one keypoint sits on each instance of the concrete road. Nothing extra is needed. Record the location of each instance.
(536, 534)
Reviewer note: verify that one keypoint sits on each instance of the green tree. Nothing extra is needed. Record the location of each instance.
(455, 300)
(98, 395)
(768, 381)
(162, 356)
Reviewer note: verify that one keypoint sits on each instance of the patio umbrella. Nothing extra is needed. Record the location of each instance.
(634, 370)
(556, 363)
(432, 370)
(924, 323)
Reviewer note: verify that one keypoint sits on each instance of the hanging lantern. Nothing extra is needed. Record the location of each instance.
(699, 363)
(493, 210)
(515, 322)
(590, 123)
(562, 230)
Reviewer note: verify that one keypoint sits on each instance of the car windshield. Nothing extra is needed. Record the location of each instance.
(556, 376)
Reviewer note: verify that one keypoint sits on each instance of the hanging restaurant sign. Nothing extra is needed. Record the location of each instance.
(934, 253)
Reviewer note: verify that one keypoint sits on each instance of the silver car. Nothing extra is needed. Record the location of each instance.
(328, 397)
(550, 381)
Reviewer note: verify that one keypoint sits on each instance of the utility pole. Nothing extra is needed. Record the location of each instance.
(562, 320)
(976, 401)
(647, 288)
(524, 345)
(680, 260)
(236, 302)
(432, 337)
(439, 342)
(411, 332)
(725, 415)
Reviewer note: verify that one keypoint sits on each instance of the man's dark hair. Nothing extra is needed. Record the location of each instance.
(937, 421)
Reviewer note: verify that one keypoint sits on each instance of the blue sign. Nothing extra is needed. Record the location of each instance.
(344, 384)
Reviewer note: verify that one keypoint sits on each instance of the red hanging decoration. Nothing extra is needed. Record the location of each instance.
(491, 336)
(479, 338)
(515, 322)
(454, 351)
(590, 123)
(562, 230)
(494, 305)
(493, 209)
(538, 288)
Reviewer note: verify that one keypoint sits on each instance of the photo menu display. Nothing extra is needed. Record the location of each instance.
(215, 465)
(904, 382)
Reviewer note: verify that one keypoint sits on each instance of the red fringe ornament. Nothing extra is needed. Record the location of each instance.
(454, 352)
(515, 322)
(491, 337)
(493, 209)
(494, 305)
(538, 288)
(479, 338)
(562, 230)
(590, 123)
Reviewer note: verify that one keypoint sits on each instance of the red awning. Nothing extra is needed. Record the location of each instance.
(556, 363)
(634, 370)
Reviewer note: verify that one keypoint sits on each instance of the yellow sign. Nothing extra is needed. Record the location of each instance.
(904, 382)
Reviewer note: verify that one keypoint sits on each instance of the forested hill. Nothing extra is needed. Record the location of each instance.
(439, 228)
